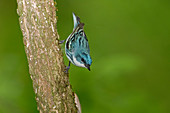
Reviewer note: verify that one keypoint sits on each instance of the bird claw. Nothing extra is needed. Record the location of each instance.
(66, 69)
(61, 41)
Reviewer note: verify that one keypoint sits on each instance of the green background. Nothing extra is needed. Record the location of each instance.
(130, 47)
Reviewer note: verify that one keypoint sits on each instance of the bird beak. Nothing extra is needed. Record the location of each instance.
(88, 67)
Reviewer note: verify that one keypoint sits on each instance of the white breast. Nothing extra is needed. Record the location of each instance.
(77, 63)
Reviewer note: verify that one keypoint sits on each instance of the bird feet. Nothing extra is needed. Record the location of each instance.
(61, 41)
(66, 69)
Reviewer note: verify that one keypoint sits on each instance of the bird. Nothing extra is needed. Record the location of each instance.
(77, 46)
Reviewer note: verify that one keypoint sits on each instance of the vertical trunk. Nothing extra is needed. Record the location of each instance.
(46, 67)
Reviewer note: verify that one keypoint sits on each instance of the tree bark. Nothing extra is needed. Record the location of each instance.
(46, 66)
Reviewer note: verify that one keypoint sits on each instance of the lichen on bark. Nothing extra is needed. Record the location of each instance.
(46, 66)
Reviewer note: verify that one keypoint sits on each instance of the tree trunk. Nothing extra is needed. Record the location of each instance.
(46, 66)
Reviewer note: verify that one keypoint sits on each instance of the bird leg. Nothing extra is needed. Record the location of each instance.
(62, 41)
(67, 67)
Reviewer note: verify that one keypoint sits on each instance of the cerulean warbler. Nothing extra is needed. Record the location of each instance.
(77, 47)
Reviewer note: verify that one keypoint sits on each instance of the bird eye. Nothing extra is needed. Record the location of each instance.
(82, 60)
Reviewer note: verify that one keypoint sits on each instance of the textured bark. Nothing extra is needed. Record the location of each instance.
(46, 66)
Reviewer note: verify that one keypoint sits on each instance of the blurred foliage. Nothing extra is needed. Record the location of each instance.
(130, 48)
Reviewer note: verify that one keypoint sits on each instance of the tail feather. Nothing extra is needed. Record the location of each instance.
(76, 20)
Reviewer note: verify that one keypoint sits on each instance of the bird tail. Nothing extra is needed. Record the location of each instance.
(77, 22)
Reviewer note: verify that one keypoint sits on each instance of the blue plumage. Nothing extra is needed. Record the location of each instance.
(77, 47)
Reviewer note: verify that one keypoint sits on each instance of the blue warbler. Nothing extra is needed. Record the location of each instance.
(77, 47)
